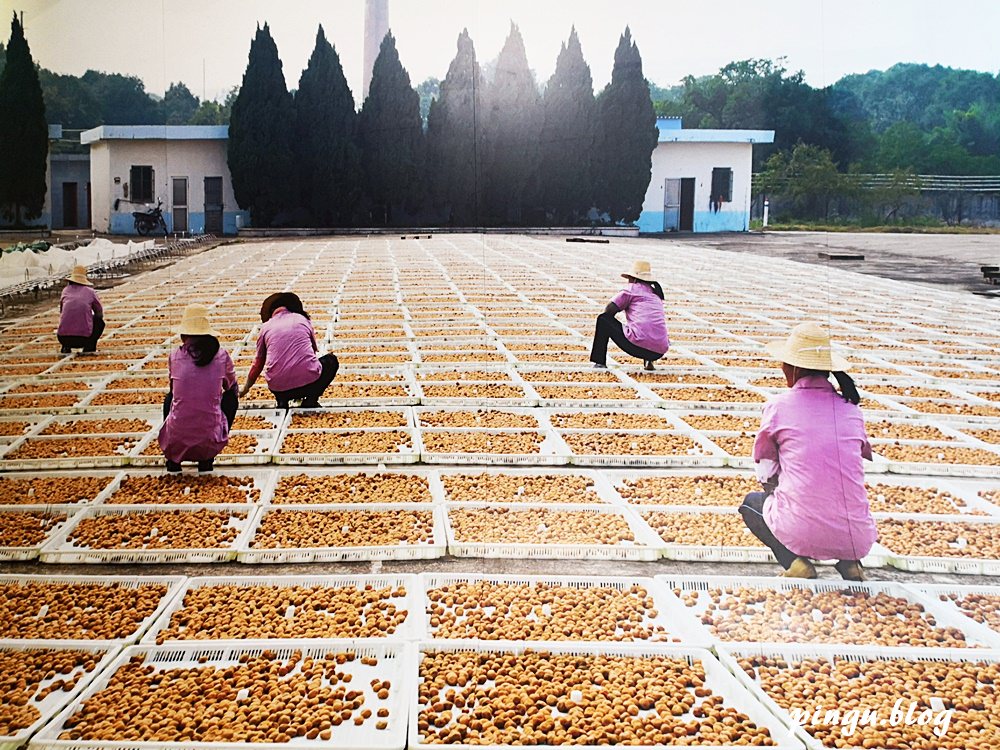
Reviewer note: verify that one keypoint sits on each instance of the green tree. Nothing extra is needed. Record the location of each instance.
(568, 107)
(68, 101)
(452, 139)
(24, 133)
(179, 104)
(123, 99)
(511, 127)
(260, 135)
(808, 178)
(391, 137)
(626, 136)
(208, 113)
(326, 154)
(429, 89)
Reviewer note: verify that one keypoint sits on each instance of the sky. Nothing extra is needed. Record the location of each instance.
(204, 43)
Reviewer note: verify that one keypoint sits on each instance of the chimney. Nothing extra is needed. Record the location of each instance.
(376, 27)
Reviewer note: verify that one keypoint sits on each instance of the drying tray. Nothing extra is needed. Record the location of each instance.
(59, 549)
(33, 551)
(68, 462)
(437, 547)
(30, 409)
(964, 489)
(717, 678)
(688, 404)
(266, 441)
(404, 456)
(173, 584)
(680, 630)
(152, 418)
(530, 398)
(941, 469)
(405, 413)
(539, 415)
(108, 476)
(932, 564)
(614, 478)
(943, 616)
(647, 545)
(262, 480)
(729, 656)
(877, 557)
(602, 492)
(552, 450)
(431, 475)
(395, 663)
(409, 629)
(934, 591)
(104, 653)
(714, 455)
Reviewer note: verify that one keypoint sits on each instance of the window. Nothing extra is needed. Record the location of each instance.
(141, 184)
(722, 185)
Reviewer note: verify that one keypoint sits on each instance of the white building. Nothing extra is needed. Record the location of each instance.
(700, 179)
(183, 166)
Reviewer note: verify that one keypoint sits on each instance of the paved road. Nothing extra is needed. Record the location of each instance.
(951, 260)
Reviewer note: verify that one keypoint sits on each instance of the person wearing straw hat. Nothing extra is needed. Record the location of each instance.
(286, 345)
(644, 334)
(201, 405)
(808, 453)
(81, 316)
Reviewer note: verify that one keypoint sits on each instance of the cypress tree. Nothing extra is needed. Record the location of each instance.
(567, 136)
(260, 135)
(627, 136)
(326, 155)
(391, 136)
(512, 129)
(452, 140)
(24, 133)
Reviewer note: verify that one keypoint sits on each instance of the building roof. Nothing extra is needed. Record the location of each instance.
(671, 132)
(155, 133)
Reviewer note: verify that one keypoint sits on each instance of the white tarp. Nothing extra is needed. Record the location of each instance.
(27, 265)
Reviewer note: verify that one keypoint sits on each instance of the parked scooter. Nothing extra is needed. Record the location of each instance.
(150, 220)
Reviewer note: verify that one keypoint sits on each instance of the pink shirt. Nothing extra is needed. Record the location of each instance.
(817, 439)
(77, 305)
(286, 340)
(196, 429)
(645, 325)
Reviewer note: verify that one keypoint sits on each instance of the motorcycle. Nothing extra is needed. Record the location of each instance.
(150, 220)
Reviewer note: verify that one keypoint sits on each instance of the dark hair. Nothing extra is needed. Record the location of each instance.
(288, 300)
(848, 390)
(202, 349)
(654, 285)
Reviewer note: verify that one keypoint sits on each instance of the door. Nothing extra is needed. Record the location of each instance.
(213, 205)
(687, 205)
(179, 200)
(671, 205)
(71, 215)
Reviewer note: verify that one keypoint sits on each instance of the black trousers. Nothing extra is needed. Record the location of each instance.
(87, 343)
(752, 511)
(609, 327)
(230, 403)
(312, 391)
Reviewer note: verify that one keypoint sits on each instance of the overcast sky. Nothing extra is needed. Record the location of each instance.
(204, 43)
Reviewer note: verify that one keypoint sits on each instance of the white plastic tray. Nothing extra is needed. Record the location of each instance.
(395, 662)
(530, 398)
(32, 551)
(261, 479)
(410, 602)
(717, 679)
(60, 550)
(930, 564)
(436, 492)
(553, 451)
(406, 455)
(262, 454)
(602, 493)
(172, 583)
(293, 421)
(434, 549)
(67, 462)
(677, 630)
(729, 655)
(942, 468)
(647, 545)
(27, 476)
(714, 456)
(975, 637)
(54, 701)
(935, 591)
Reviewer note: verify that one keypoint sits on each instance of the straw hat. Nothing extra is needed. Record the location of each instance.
(79, 276)
(808, 346)
(640, 270)
(194, 322)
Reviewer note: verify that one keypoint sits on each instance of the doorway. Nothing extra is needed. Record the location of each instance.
(179, 199)
(213, 205)
(687, 205)
(71, 215)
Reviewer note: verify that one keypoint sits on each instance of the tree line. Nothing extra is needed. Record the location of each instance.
(494, 152)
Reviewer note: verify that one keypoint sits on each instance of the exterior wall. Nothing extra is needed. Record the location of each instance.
(679, 160)
(193, 159)
(68, 168)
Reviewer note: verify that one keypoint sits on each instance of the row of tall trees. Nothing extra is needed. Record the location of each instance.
(495, 152)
